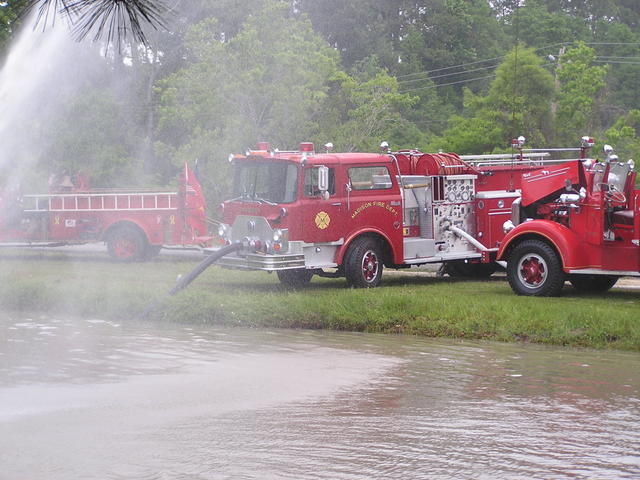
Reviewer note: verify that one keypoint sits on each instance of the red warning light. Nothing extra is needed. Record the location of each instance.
(306, 147)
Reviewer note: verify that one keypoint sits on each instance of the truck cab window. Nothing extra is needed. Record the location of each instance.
(370, 178)
(274, 182)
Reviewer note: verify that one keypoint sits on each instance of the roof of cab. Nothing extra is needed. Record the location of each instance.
(320, 158)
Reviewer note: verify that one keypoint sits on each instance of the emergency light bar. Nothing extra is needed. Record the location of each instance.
(307, 147)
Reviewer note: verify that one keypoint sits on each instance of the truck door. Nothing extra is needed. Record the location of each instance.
(323, 213)
(374, 201)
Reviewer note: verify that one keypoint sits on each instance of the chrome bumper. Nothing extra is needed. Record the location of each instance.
(262, 261)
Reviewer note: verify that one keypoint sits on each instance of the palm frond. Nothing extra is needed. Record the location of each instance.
(115, 19)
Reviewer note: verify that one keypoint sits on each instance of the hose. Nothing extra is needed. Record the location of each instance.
(202, 266)
(183, 282)
(461, 233)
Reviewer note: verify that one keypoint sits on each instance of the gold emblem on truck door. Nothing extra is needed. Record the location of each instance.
(322, 220)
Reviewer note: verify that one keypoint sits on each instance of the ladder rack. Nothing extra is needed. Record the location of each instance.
(507, 159)
(101, 202)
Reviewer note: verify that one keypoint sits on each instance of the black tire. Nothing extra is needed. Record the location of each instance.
(534, 269)
(363, 263)
(127, 244)
(458, 269)
(299, 278)
(152, 251)
(592, 283)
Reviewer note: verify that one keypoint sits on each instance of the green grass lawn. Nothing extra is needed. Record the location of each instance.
(92, 286)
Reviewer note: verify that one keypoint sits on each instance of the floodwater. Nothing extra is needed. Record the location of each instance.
(90, 399)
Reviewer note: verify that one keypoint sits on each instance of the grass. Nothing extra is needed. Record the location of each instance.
(91, 285)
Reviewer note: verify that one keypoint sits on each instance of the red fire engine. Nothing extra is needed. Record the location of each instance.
(134, 224)
(300, 212)
(580, 221)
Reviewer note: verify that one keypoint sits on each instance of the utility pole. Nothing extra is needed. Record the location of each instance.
(556, 82)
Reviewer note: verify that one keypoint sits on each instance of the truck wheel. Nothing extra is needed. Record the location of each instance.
(592, 283)
(363, 263)
(126, 244)
(295, 278)
(534, 269)
(152, 251)
(458, 268)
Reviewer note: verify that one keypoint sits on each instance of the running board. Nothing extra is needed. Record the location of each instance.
(595, 271)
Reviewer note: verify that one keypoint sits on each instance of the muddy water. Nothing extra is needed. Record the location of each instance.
(90, 399)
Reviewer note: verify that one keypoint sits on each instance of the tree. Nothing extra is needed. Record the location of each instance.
(518, 103)
(358, 28)
(366, 108)
(9, 19)
(624, 136)
(618, 46)
(539, 24)
(270, 82)
(460, 32)
(580, 83)
(114, 18)
(93, 132)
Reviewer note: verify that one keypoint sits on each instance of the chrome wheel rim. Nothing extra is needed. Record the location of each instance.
(532, 270)
(370, 266)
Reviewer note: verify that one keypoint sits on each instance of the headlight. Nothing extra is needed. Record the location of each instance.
(224, 232)
(276, 244)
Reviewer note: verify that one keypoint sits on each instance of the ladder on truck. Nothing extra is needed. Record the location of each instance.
(527, 157)
(101, 202)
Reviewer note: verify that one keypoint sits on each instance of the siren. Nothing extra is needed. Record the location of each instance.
(587, 142)
(518, 142)
(307, 147)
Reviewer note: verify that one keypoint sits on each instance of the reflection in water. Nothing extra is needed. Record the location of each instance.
(95, 399)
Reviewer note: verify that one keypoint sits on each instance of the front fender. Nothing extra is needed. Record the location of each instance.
(564, 240)
(365, 231)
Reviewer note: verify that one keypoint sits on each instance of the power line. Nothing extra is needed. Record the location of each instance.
(449, 68)
(424, 72)
(546, 47)
(405, 82)
(447, 84)
(616, 62)
(429, 87)
(608, 56)
(609, 43)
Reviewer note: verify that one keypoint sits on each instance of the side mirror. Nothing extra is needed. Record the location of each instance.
(323, 178)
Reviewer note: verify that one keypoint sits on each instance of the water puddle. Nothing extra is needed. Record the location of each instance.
(97, 399)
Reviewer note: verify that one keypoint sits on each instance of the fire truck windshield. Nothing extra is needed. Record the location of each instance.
(265, 182)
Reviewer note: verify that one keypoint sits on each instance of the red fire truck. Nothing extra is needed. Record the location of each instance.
(302, 213)
(135, 225)
(579, 220)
